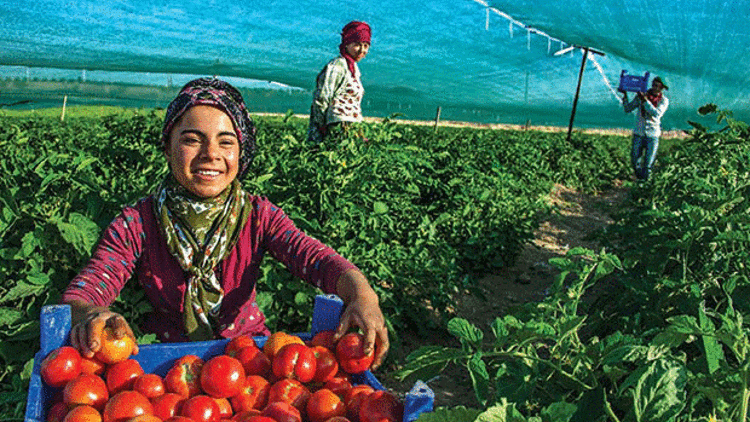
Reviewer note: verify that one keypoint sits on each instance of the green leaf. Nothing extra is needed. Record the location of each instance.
(10, 316)
(480, 378)
(559, 412)
(465, 331)
(80, 232)
(659, 394)
(380, 208)
(503, 412)
(711, 347)
(455, 414)
(22, 290)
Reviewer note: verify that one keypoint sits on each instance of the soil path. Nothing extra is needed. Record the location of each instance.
(576, 216)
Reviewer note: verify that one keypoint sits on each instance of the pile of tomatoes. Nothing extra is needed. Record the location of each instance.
(285, 380)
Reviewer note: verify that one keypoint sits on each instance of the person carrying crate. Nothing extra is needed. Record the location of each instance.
(651, 106)
(196, 243)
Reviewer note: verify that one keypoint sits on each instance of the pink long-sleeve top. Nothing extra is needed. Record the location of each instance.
(133, 244)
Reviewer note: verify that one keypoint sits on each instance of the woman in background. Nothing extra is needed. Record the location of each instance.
(337, 100)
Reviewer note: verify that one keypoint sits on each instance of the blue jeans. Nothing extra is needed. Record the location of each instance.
(643, 147)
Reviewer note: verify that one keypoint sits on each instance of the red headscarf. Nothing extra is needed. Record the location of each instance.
(354, 31)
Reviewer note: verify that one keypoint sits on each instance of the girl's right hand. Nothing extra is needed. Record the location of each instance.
(86, 335)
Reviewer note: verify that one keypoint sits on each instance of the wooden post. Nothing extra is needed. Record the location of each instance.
(437, 118)
(65, 102)
(578, 88)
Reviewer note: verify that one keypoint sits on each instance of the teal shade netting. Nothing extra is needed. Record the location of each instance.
(483, 61)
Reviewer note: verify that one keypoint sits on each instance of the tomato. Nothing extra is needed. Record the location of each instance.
(178, 419)
(125, 405)
(325, 339)
(338, 419)
(353, 399)
(57, 412)
(222, 376)
(350, 352)
(247, 416)
(339, 385)
(257, 418)
(225, 408)
(83, 413)
(114, 349)
(326, 365)
(184, 376)
(238, 343)
(60, 366)
(145, 418)
(150, 385)
(87, 389)
(381, 406)
(92, 365)
(167, 405)
(254, 361)
(277, 340)
(295, 361)
(282, 412)
(200, 408)
(253, 395)
(122, 375)
(289, 391)
(323, 405)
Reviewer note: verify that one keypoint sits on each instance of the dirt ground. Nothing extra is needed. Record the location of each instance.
(576, 216)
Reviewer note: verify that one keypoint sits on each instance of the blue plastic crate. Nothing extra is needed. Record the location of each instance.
(158, 358)
(633, 83)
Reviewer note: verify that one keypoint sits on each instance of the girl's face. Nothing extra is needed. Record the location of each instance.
(203, 151)
(358, 50)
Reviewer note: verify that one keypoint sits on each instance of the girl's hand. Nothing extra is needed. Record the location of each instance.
(86, 333)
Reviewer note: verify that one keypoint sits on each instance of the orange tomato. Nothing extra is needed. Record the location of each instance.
(114, 349)
(277, 340)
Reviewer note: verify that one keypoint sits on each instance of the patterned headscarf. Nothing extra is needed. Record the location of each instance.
(217, 93)
(354, 31)
(201, 232)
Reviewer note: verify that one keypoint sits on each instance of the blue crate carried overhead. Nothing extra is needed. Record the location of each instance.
(633, 83)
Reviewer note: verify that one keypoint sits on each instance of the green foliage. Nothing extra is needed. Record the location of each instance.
(421, 213)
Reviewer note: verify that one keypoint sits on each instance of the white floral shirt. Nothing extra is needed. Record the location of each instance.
(337, 97)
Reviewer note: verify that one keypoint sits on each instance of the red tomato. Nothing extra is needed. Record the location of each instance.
(183, 377)
(167, 405)
(339, 419)
(126, 405)
(150, 385)
(92, 365)
(289, 391)
(222, 376)
(60, 366)
(122, 375)
(295, 361)
(254, 361)
(326, 365)
(282, 412)
(338, 385)
(257, 418)
(145, 418)
(57, 412)
(178, 419)
(353, 399)
(350, 352)
(323, 405)
(225, 408)
(253, 395)
(200, 408)
(238, 343)
(325, 339)
(83, 413)
(114, 349)
(87, 389)
(381, 406)
(246, 415)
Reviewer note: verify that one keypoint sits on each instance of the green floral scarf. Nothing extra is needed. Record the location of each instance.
(200, 233)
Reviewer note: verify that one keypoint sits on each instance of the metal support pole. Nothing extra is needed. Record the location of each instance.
(578, 88)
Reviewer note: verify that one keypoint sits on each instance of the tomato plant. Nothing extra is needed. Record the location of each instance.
(183, 376)
(323, 405)
(350, 353)
(60, 366)
(126, 405)
(122, 375)
(87, 389)
(296, 361)
(222, 376)
(114, 349)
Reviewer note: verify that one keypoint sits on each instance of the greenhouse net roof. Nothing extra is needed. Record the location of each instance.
(478, 60)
